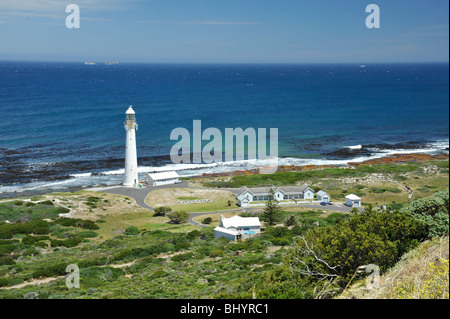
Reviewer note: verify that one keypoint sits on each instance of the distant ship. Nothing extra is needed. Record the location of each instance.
(90, 63)
(112, 63)
(362, 66)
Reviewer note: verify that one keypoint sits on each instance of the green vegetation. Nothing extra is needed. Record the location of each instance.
(134, 254)
(131, 231)
(285, 178)
(28, 211)
(432, 212)
(207, 221)
(162, 211)
(271, 213)
(322, 262)
(179, 217)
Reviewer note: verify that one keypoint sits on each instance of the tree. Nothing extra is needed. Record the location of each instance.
(370, 237)
(162, 211)
(433, 212)
(207, 221)
(290, 221)
(271, 213)
(178, 217)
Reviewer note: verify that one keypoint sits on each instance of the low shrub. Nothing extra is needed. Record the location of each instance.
(87, 234)
(207, 221)
(182, 257)
(132, 231)
(217, 253)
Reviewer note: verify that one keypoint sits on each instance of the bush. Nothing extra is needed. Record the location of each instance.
(182, 245)
(217, 253)
(290, 221)
(158, 274)
(46, 202)
(193, 234)
(182, 257)
(31, 240)
(162, 211)
(87, 234)
(131, 231)
(179, 217)
(433, 212)
(370, 237)
(70, 242)
(6, 261)
(38, 227)
(6, 249)
(207, 221)
(50, 271)
(80, 223)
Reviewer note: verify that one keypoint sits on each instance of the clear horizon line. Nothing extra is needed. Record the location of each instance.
(100, 61)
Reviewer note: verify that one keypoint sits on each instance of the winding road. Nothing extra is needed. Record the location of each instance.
(140, 194)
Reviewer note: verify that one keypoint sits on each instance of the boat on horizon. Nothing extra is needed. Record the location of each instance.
(89, 63)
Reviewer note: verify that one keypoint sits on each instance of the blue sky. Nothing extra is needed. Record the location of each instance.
(225, 31)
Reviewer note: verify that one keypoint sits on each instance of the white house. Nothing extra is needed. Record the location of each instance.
(238, 227)
(165, 178)
(323, 196)
(352, 200)
(247, 195)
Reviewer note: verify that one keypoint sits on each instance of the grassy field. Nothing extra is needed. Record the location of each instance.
(169, 197)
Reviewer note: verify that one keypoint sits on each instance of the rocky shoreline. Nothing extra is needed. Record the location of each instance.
(393, 159)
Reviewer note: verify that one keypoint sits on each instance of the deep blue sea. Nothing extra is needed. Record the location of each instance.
(61, 124)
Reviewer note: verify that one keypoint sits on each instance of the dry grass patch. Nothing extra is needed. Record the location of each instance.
(421, 274)
(169, 197)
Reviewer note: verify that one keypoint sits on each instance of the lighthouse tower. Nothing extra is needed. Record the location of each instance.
(131, 173)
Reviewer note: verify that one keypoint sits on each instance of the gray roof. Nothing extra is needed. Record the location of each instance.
(266, 190)
(322, 193)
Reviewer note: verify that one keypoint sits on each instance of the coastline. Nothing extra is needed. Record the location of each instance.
(392, 159)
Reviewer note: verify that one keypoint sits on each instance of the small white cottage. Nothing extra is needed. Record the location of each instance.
(353, 201)
(238, 227)
(323, 196)
(164, 178)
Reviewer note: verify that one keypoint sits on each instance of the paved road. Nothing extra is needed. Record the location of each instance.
(140, 194)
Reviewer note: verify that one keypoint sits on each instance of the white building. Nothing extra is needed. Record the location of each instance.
(131, 166)
(238, 227)
(353, 201)
(247, 195)
(164, 178)
(323, 196)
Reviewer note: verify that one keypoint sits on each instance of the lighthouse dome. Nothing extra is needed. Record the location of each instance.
(130, 110)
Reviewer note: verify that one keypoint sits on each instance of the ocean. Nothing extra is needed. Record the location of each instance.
(61, 124)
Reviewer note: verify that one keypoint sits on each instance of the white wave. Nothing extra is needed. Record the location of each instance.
(115, 177)
(81, 175)
(355, 147)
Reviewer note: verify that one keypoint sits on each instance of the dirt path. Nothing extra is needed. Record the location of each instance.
(402, 186)
(35, 282)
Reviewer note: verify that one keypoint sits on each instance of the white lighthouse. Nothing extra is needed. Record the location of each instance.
(131, 172)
